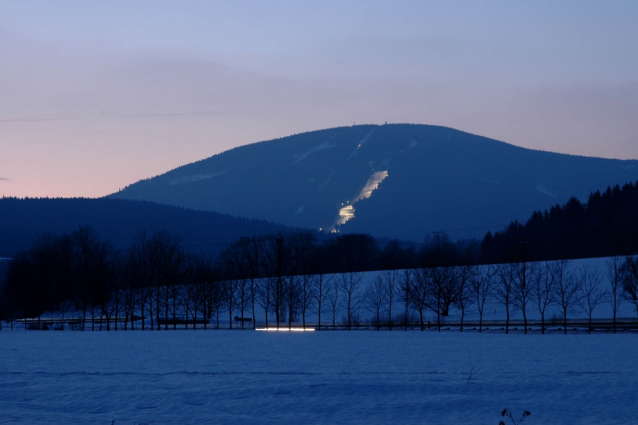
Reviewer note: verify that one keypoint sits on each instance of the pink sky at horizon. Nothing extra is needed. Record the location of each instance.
(97, 96)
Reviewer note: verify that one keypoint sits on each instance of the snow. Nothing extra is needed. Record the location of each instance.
(361, 143)
(358, 377)
(245, 377)
(347, 212)
(327, 180)
(195, 178)
(371, 185)
(322, 146)
(545, 190)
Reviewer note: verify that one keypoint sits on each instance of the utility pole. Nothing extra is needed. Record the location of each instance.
(438, 234)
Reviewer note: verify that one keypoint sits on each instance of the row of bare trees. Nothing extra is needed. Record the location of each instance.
(526, 288)
(283, 278)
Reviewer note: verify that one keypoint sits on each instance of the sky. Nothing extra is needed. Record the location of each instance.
(98, 95)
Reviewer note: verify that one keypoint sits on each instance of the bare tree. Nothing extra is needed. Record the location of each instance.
(615, 279)
(264, 295)
(590, 294)
(630, 280)
(293, 298)
(166, 266)
(481, 287)
(463, 275)
(229, 297)
(404, 292)
(443, 292)
(213, 295)
(504, 290)
(253, 250)
(321, 289)
(390, 280)
(91, 265)
(233, 260)
(350, 282)
(419, 293)
(524, 283)
(544, 290)
(565, 289)
(303, 250)
(375, 298)
(140, 278)
(277, 258)
(333, 297)
(307, 297)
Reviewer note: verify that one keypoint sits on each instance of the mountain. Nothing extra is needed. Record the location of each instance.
(23, 220)
(399, 180)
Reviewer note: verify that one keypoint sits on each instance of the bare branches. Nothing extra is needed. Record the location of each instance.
(565, 289)
(481, 288)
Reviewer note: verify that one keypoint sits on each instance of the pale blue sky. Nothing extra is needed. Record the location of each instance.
(97, 95)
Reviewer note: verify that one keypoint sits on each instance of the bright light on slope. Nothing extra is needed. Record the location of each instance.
(286, 329)
(371, 185)
(346, 213)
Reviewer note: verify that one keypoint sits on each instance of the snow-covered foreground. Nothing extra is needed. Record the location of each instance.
(248, 377)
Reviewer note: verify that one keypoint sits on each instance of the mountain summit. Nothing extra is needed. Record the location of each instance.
(397, 180)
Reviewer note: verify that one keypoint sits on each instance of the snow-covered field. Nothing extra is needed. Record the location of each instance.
(248, 377)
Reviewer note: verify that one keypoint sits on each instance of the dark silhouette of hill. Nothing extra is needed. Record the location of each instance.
(426, 178)
(606, 225)
(23, 220)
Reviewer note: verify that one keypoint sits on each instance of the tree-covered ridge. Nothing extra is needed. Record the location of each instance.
(606, 225)
(22, 221)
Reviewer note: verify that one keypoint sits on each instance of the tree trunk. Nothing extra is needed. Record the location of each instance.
(252, 300)
(405, 319)
(175, 314)
(150, 313)
(462, 317)
(303, 318)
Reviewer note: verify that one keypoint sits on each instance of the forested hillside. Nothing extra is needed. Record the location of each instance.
(24, 220)
(606, 225)
(396, 181)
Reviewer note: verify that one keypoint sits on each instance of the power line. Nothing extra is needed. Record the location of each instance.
(98, 117)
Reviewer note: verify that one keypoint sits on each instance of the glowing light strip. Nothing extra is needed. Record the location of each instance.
(285, 329)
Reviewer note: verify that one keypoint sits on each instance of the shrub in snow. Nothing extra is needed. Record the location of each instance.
(507, 413)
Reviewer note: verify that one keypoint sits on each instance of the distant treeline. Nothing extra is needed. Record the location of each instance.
(80, 271)
(606, 225)
(23, 220)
